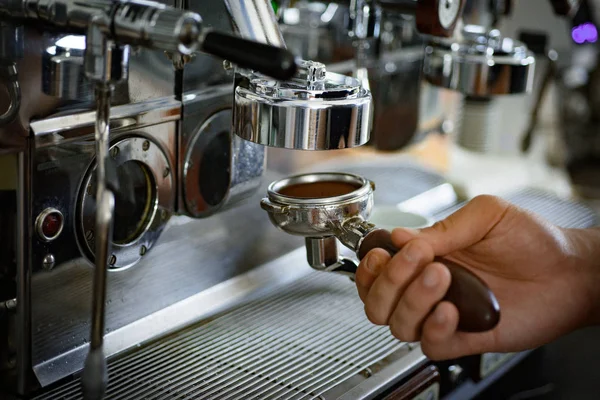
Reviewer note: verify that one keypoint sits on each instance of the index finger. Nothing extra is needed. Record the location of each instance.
(369, 269)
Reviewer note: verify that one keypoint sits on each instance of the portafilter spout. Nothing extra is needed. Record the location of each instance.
(326, 207)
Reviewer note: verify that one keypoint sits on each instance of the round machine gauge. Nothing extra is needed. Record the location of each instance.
(143, 202)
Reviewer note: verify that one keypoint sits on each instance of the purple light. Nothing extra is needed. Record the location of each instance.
(585, 33)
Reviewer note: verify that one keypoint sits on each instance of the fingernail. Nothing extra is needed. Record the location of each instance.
(430, 278)
(410, 252)
(372, 263)
(439, 316)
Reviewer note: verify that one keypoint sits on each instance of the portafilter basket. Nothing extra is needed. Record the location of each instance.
(326, 207)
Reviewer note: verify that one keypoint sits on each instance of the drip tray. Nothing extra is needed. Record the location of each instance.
(299, 343)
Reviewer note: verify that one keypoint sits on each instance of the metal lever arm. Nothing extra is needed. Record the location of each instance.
(152, 25)
(273, 61)
(95, 377)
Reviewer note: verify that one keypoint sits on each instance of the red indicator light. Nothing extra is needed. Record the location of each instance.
(50, 224)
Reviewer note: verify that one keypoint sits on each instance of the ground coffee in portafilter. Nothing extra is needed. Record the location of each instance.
(318, 190)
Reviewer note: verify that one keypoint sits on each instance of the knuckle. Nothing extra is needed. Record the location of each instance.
(484, 199)
(374, 317)
(442, 226)
(404, 266)
(361, 278)
(430, 339)
(487, 200)
(399, 331)
(431, 351)
(422, 247)
(395, 273)
(410, 305)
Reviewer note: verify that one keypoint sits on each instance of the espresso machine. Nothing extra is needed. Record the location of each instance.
(135, 260)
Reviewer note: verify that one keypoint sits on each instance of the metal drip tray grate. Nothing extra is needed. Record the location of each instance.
(295, 344)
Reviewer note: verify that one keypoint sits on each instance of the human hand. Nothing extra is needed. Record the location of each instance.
(543, 276)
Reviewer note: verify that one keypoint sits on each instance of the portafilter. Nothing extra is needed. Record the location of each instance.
(327, 207)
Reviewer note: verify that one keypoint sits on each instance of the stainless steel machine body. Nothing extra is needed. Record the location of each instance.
(166, 117)
(171, 151)
(168, 125)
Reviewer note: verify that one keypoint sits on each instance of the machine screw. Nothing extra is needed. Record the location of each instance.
(454, 373)
(143, 250)
(11, 304)
(166, 172)
(146, 145)
(113, 260)
(48, 262)
(89, 235)
(447, 127)
(114, 152)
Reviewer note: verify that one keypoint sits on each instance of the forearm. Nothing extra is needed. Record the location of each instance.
(584, 256)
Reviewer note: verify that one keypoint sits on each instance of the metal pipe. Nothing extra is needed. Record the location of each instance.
(23, 316)
(103, 93)
(94, 378)
(103, 238)
(255, 20)
(103, 247)
(14, 93)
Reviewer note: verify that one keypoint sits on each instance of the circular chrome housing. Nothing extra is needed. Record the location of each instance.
(315, 217)
(142, 206)
(317, 110)
(481, 64)
(220, 169)
(206, 173)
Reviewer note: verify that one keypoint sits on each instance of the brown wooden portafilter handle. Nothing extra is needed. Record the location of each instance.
(477, 306)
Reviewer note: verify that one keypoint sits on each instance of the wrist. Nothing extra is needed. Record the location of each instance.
(584, 256)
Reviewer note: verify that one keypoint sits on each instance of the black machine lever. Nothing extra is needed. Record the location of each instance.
(565, 7)
(272, 61)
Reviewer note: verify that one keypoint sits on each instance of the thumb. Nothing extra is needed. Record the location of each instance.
(464, 228)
